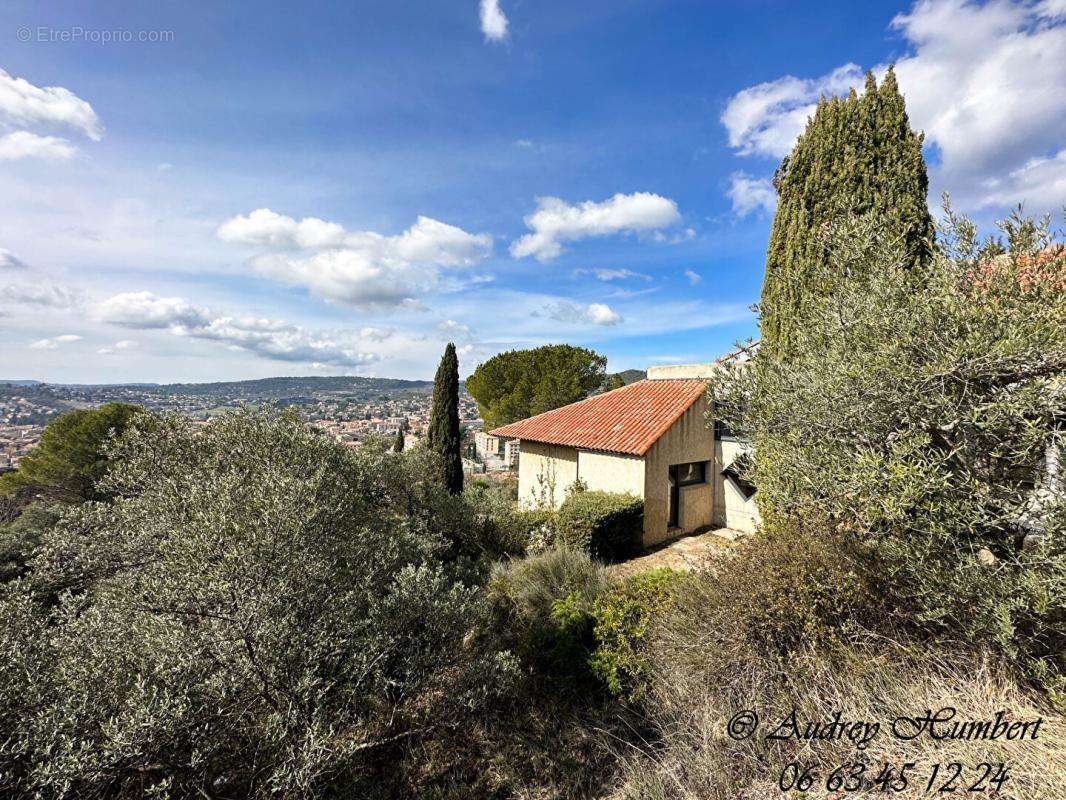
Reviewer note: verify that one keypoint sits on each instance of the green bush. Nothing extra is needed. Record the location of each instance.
(19, 538)
(913, 422)
(609, 526)
(622, 617)
(542, 609)
(259, 612)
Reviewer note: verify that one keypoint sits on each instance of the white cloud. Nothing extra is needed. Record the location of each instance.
(457, 330)
(272, 339)
(9, 260)
(269, 229)
(144, 311)
(46, 295)
(607, 275)
(594, 313)
(493, 21)
(55, 341)
(22, 103)
(373, 334)
(765, 119)
(750, 195)
(982, 80)
(1041, 182)
(361, 268)
(556, 221)
(693, 276)
(23, 144)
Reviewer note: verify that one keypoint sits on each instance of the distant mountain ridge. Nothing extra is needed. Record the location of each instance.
(255, 385)
(630, 375)
(290, 386)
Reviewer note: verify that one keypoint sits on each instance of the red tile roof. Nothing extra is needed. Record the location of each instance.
(627, 420)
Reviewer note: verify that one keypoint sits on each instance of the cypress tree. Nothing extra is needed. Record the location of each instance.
(443, 436)
(858, 156)
(397, 443)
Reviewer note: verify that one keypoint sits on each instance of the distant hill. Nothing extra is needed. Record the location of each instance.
(6, 382)
(295, 386)
(630, 375)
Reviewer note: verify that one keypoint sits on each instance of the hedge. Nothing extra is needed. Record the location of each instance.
(609, 526)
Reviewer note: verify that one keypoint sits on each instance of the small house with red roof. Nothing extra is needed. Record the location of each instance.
(651, 439)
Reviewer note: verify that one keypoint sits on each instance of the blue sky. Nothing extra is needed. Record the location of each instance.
(219, 191)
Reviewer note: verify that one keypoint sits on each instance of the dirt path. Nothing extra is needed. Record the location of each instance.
(688, 552)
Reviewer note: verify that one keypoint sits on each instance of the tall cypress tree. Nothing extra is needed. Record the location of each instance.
(857, 157)
(397, 443)
(443, 437)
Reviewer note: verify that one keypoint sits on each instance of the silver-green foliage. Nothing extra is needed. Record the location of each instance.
(261, 611)
(915, 416)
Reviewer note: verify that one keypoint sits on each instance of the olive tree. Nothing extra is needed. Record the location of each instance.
(259, 612)
(916, 415)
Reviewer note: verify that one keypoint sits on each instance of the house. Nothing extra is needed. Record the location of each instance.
(650, 439)
(497, 452)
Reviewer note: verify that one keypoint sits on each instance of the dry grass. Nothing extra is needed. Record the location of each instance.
(697, 691)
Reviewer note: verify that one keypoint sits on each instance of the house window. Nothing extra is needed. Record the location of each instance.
(689, 474)
(735, 473)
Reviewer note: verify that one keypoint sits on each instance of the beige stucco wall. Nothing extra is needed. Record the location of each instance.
(611, 472)
(732, 510)
(689, 439)
(545, 471)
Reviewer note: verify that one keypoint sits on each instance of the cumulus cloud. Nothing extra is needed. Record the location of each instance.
(45, 295)
(556, 221)
(455, 330)
(361, 268)
(594, 313)
(23, 144)
(750, 195)
(272, 339)
(982, 80)
(693, 276)
(9, 260)
(765, 119)
(373, 334)
(493, 21)
(22, 103)
(146, 311)
(1040, 181)
(267, 228)
(55, 341)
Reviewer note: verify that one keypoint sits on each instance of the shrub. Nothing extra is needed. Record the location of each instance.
(609, 526)
(497, 528)
(913, 421)
(541, 605)
(259, 612)
(19, 538)
(622, 617)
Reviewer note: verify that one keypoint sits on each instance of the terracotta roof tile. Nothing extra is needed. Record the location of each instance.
(627, 420)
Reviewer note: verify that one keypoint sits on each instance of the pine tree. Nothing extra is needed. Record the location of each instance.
(443, 437)
(857, 157)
